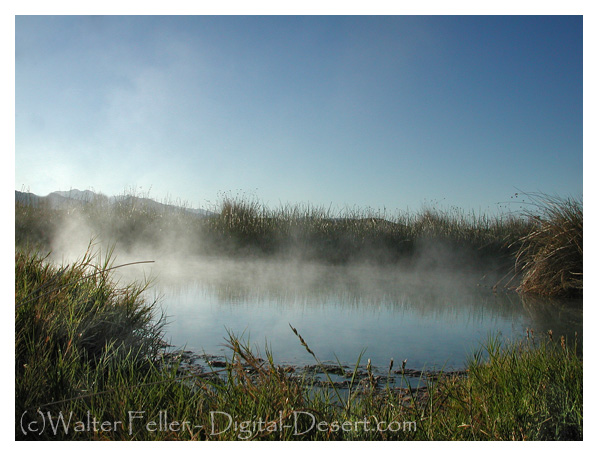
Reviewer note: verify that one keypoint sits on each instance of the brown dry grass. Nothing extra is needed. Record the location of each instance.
(550, 256)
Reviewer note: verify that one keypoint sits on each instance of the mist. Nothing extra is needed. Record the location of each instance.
(180, 254)
(426, 286)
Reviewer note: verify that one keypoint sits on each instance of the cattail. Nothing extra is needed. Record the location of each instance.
(391, 365)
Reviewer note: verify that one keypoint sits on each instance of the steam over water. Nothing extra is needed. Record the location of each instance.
(433, 318)
(434, 312)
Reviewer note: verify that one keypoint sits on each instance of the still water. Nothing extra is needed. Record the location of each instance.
(434, 319)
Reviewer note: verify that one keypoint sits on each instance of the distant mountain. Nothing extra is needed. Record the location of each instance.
(85, 196)
(149, 203)
(75, 197)
(27, 198)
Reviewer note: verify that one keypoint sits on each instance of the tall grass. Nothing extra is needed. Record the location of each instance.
(353, 233)
(241, 225)
(550, 255)
(73, 323)
(35, 225)
(524, 390)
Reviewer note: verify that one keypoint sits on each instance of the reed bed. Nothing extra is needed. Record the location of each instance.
(241, 226)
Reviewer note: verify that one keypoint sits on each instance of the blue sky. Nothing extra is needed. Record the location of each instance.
(385, 112)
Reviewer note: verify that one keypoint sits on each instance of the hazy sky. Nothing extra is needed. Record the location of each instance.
(391, 111)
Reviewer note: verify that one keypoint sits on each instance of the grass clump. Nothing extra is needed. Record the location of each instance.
(549, 258)
(524, 390)
(73, 326)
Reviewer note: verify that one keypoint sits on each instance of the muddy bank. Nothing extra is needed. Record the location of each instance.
(409, 382)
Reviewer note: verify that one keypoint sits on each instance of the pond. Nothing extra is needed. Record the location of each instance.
(433, 318)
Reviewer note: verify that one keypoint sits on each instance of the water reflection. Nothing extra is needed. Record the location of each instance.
(433, 319)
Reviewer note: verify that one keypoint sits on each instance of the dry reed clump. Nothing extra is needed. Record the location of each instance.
(550, 256)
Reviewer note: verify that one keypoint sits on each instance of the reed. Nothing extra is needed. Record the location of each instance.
(549, 257)
(242, 226)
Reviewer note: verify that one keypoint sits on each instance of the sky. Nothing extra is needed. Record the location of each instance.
(382, 112)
